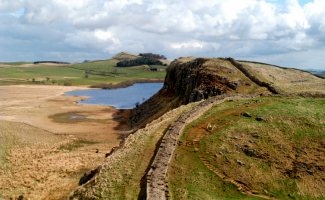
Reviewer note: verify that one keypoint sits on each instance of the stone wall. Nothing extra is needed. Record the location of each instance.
(156, 176)
(253, 77)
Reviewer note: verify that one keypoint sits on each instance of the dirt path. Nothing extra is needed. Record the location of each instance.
(201, 134)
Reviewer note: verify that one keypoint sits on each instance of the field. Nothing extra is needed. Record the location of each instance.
(48, 141)
(280, 156)
(99, 71)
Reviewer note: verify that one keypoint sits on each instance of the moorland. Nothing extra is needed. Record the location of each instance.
(213, 131)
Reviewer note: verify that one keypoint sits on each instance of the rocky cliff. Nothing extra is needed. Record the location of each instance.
(189, 80)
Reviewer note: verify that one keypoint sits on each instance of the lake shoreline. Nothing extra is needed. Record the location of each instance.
(125, 84)
(122, 98)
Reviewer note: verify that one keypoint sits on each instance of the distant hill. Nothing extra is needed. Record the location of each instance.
(125, 56)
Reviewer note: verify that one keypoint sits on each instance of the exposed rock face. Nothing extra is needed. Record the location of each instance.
(191, 82)
(185, 82)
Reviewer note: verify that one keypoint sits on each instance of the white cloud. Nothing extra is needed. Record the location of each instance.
(187, 45)
(173, 28)
(11, 5)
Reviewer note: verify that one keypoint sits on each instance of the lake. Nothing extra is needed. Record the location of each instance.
(123, 98)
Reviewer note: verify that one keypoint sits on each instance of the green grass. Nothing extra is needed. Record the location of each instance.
(295, 123)
(189, 178)
(17, 63)
(97, 65)
(158, 66)
(101, 71)
(75, 144)
(75, 74)
(40, 72)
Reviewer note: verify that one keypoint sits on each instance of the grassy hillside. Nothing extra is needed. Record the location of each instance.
(281, 156)
(289, 80)
(100, 71)
(123, 176)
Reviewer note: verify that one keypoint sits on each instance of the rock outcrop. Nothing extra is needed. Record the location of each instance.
(185, 82)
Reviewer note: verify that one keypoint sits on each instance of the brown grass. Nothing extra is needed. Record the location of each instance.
(289, 80)
(36, 167)
(43, 165)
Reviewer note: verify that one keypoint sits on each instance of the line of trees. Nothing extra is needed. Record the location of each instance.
(151, 55)
(139, 61)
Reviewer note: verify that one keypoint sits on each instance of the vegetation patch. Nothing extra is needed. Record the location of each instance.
(87, 73)
(123, 174)
(125, 83)
(139, 61)
(276, 149)
(75, 144)
(39, 164)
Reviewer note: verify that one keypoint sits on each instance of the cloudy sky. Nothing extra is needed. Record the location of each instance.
(288, 33)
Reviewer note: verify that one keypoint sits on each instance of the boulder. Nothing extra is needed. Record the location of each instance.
(246, 114)
(260, 118)
(233, 85)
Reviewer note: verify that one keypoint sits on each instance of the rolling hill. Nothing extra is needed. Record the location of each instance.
(220, 129)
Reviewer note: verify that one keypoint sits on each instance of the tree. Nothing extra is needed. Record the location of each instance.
(137, 104)
(53, 81)
(33, 79)
(139, 61)
(86, 75)
(47, 78)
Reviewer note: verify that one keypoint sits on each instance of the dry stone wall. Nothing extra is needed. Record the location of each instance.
(156, 177)
(254, 78)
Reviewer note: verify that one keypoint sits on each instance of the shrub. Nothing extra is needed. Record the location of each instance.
(67, 84)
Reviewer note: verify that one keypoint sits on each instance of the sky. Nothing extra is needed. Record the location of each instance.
(288, 33)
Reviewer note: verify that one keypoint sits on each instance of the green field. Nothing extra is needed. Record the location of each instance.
(285, 160)
(99, 71)
(17, 63)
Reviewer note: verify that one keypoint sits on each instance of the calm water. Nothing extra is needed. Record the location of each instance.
(123, 98)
